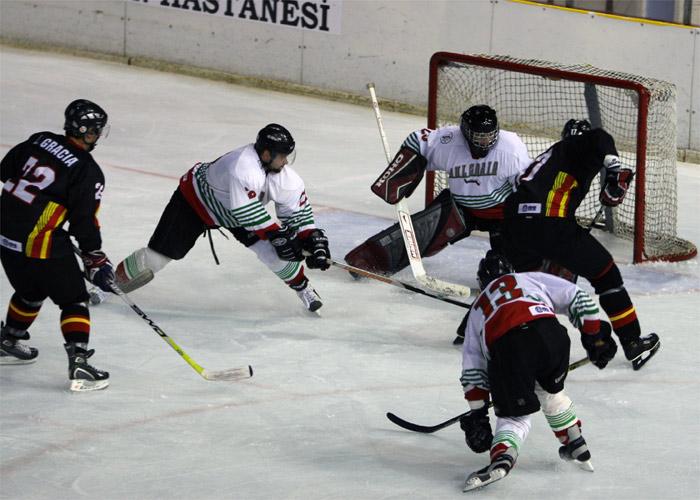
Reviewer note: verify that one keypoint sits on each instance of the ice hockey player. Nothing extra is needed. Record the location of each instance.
(50, 180)
(540, 225)
(482, 163)
(516, 353)
(231, 192)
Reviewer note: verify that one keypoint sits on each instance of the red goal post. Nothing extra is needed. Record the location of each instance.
(535, 98)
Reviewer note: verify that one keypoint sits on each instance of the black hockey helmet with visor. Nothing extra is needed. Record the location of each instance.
(277, 140)
(479, 126)
(492, 266)
(83, 117)
(575, 127)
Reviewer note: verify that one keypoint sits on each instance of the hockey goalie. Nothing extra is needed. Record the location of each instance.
(482, 162)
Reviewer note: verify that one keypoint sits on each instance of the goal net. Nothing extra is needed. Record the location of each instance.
(535, 98)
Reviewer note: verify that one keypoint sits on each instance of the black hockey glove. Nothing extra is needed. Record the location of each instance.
(317, 245)
(477, 429)
(601, 347)
(617, 182)
(286, 244)
(98, 269)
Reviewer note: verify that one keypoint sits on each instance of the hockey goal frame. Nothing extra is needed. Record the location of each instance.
(591, 78)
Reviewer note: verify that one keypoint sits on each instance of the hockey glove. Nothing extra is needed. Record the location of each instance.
(317, 245)
(600, 347)
(617, 182)
(401, 177)
(477, 429)
(98, 269)
(286, 244)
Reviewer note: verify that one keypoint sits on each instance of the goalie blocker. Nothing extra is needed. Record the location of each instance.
(440, 224)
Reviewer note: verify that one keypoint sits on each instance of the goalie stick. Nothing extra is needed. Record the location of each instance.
(429, 429)
(407, 231)
(395, 282)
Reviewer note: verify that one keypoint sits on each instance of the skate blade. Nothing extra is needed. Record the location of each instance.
(642, 359)
(587, 465)
(81, 385)
(6, 359)
(476, 481)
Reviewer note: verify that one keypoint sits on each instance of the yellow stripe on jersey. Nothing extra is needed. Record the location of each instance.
(39, 240)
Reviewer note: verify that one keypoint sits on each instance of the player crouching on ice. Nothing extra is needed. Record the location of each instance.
(231, 192)
(482, 162)
(516, 351)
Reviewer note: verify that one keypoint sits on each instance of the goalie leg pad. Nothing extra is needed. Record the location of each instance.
(438, 225)
(139, 268)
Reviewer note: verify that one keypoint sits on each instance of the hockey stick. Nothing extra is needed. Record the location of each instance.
(407, 231)
(222, 375)
(400, 284)
(429, 429)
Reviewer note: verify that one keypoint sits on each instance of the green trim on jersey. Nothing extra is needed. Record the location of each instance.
(252, 214)
(301, 218)
(485, 201)
(475, 377)
(581, 306)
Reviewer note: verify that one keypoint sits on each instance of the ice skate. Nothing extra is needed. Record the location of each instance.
(495, 471)
(82, 375)
(12, 351)
(641, 350)
(575, 448)
(311, 299)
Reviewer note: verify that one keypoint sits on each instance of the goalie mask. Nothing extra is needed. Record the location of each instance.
(479, 125)
(85, 118)
(575, 127)
(492, 266)
(277, 140)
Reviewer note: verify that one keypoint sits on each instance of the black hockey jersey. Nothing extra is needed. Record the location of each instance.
(48, 182)
(555, 184)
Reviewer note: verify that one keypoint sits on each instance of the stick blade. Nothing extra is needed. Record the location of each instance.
(444, 287)
(232, 374)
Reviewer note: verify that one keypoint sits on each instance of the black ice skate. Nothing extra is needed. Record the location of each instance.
(83, 376)
(495, 471)
(12, 351)
(577, 451)
(641, 350)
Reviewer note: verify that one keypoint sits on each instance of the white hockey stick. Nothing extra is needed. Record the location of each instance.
(407, 231)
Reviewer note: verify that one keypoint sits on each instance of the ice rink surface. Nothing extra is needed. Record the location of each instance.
(310, 424)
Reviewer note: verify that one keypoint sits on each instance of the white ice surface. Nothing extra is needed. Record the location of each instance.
(310, 424)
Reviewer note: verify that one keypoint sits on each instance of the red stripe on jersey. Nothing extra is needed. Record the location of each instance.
(491, 213)
(187, 189)
(510, 315)
(558, 199)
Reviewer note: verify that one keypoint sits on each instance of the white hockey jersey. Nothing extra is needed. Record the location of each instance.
(477, 185)
(232, 191)
(514, 299)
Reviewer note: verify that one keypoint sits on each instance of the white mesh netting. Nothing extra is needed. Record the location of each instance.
(536, 107)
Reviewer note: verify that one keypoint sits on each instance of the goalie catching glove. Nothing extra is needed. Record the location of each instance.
(617, 182)
(600, 347)
(98, 269)
(317, 246)
(401, 177)
(286, 244)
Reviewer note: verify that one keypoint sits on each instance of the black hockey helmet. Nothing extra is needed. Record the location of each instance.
(492, 266)
(479, 126)
(82, 117)
(276, 139)
(575, 127)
